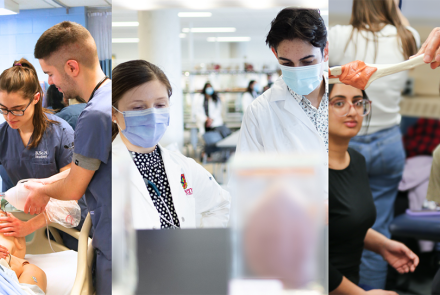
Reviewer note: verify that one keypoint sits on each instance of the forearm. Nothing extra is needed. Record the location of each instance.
(57, 176)
(347, 288)
(374, 241)
(37, 222)
(63, 190)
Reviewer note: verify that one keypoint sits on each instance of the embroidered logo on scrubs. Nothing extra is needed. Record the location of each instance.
(183, 181)
(188, 191)
(41, 154)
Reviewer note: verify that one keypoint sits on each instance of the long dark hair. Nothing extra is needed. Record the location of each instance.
(22, 78)
(249, 88)
(131, 74)
(54, 98)
(214, 95)
(365, 96)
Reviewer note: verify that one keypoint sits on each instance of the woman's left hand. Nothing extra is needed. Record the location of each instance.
(399, 256)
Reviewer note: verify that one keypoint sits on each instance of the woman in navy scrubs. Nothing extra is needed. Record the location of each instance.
(34, 143)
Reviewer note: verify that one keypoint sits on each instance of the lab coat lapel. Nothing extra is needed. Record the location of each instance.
(136, 178)
(174, 171)
(290, 104)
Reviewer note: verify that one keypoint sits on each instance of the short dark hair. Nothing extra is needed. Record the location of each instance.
(292, 23)
(72, 40)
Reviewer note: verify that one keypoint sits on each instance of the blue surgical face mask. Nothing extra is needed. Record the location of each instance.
(302, 80)
(209, 91)
(145, 128)
(257, 88)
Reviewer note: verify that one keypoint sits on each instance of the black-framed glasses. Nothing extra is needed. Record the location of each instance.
(341, 107)
(14, 112)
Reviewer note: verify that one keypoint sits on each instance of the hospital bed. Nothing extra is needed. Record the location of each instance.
(68, 272)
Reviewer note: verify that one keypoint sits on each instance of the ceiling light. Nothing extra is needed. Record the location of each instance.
(125, 24)
(8, 7)
(125, 40)
(209, 30)
(229, 39)
(194, 14)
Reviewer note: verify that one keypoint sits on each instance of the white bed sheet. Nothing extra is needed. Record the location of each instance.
(60, 269)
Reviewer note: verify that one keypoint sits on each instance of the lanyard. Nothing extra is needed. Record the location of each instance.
(154, 187)
(97, 86)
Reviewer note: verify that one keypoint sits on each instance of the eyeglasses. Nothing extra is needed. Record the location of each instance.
(14, 112)
(341, 108)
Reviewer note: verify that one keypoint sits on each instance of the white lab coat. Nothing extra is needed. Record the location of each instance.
(215, 113)
(203, 203)
(275, 122)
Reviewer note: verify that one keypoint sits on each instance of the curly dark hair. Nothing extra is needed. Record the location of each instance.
(291, 23)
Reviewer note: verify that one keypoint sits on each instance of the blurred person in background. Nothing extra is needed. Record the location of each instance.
(72, 111)
(55, 99)
(208, 110)
(252, 92)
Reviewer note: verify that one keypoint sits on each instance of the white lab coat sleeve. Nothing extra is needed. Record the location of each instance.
(250, 139)
(212, 202)
(200, 114)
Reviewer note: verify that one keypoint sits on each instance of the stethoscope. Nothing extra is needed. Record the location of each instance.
(156, 190)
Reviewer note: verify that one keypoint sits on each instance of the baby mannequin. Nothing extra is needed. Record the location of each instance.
(26, 273)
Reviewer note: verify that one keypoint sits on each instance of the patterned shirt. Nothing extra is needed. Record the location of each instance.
(319, 117)
(151, 167)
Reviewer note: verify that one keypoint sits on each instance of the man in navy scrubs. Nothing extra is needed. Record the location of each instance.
(68, 54)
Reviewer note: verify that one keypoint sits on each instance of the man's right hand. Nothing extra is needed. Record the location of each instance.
(431, 49)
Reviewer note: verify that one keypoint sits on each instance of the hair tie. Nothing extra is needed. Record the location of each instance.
(17, 64)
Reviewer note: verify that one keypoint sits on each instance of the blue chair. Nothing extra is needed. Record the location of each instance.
(418, 227)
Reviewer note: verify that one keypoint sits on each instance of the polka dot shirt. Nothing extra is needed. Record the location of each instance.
(151, 167)
(319, 117)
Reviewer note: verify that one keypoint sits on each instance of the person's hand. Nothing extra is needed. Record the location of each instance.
(36, 201)
(208, 122)
(4, 252)
(399, 256)
(380, 292)
(431, 49)
(11, 226)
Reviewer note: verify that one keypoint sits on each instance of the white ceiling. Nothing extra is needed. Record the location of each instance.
(40, 4)
(210, 4)
(252, 23)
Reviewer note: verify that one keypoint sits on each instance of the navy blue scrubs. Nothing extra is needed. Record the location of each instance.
(42, 161)
(93, 135)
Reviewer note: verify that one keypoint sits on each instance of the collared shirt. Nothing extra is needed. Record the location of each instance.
(319, 117)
